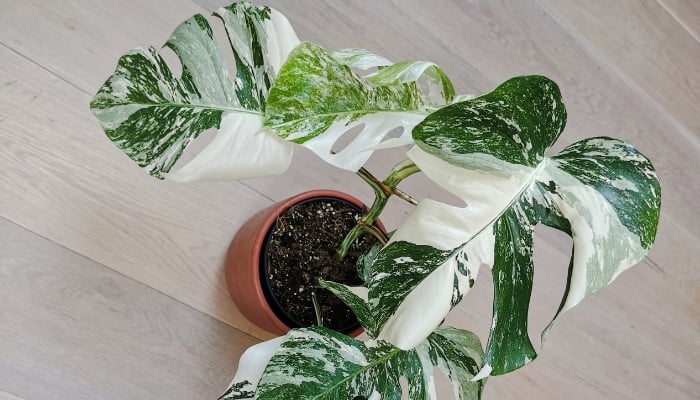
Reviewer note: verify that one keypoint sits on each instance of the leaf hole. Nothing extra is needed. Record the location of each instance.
(423, 85)
(195, 147)
(172, 60)
(347, 138)
(223, 43)
(443, 385)
(394, 133)
(551, 255)
(403, 382)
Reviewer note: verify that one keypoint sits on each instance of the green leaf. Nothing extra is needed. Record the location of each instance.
(490, 152)
(250, 369)
(318, 363)
(400, 267)
(425, 270)
(509, 346)
(152, 115)
(515, 123)
(610, 196)
(458, 354)
(365, 261)
(359, 58)
(441, 89)
(317, 98)
(356, 299)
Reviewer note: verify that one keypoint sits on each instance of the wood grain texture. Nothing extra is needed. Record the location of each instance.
(647, 45)
(687, 13)
(93, 201)
(9, 396)
(73, 329)
(627, 71)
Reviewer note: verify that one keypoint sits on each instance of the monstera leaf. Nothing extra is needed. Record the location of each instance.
(152, 115)
(317, 98)
(318, 363)
(490, 152)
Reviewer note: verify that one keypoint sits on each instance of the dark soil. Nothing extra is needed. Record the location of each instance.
(302, 248)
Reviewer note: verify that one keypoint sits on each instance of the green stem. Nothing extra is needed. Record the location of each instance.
(317, 308)
(401, 171)
(374, 231)
(382, 191)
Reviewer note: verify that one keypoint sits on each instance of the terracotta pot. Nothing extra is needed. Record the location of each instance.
(243, 262)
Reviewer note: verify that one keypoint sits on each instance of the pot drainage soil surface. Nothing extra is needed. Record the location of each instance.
(302, 248)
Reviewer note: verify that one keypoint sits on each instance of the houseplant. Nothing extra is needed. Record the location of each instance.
(488, 150)
(276, 258)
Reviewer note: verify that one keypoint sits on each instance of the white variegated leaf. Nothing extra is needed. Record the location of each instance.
(440, 87)
(241, 149)
(250, 369)
(317, 363)
(489, 152)
(359, 58)
(355, 297)
(440, 92)
(317, 99)
(456, 353)
(152, 115)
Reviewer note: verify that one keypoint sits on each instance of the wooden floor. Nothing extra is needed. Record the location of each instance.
(110, 281)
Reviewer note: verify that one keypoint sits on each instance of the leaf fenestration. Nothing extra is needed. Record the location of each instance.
(317, 98)
(490, 152)
(152, 115)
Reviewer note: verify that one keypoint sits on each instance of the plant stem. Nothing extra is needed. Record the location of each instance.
(382, 191)
(317, 308)
(401, 171)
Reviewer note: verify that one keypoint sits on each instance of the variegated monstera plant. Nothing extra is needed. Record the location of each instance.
(488, 150)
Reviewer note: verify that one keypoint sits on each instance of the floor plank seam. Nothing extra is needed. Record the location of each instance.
(13, 395)
(242, 182)
(690, 31)
(81, 90)
(616, 71)
(125, 276)
(655, 265)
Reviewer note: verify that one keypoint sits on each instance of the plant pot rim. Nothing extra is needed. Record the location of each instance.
(261, 225)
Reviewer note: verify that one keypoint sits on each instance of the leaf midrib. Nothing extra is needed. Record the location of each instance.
(343, 113)
(535, 173)
(530, 180)
(186, 105)
(393, 353)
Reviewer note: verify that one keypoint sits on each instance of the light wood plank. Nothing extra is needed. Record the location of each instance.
(83, 38)
(687, 13)
(9, 396)
(72, 329)
(647, 45)
(63, 179)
